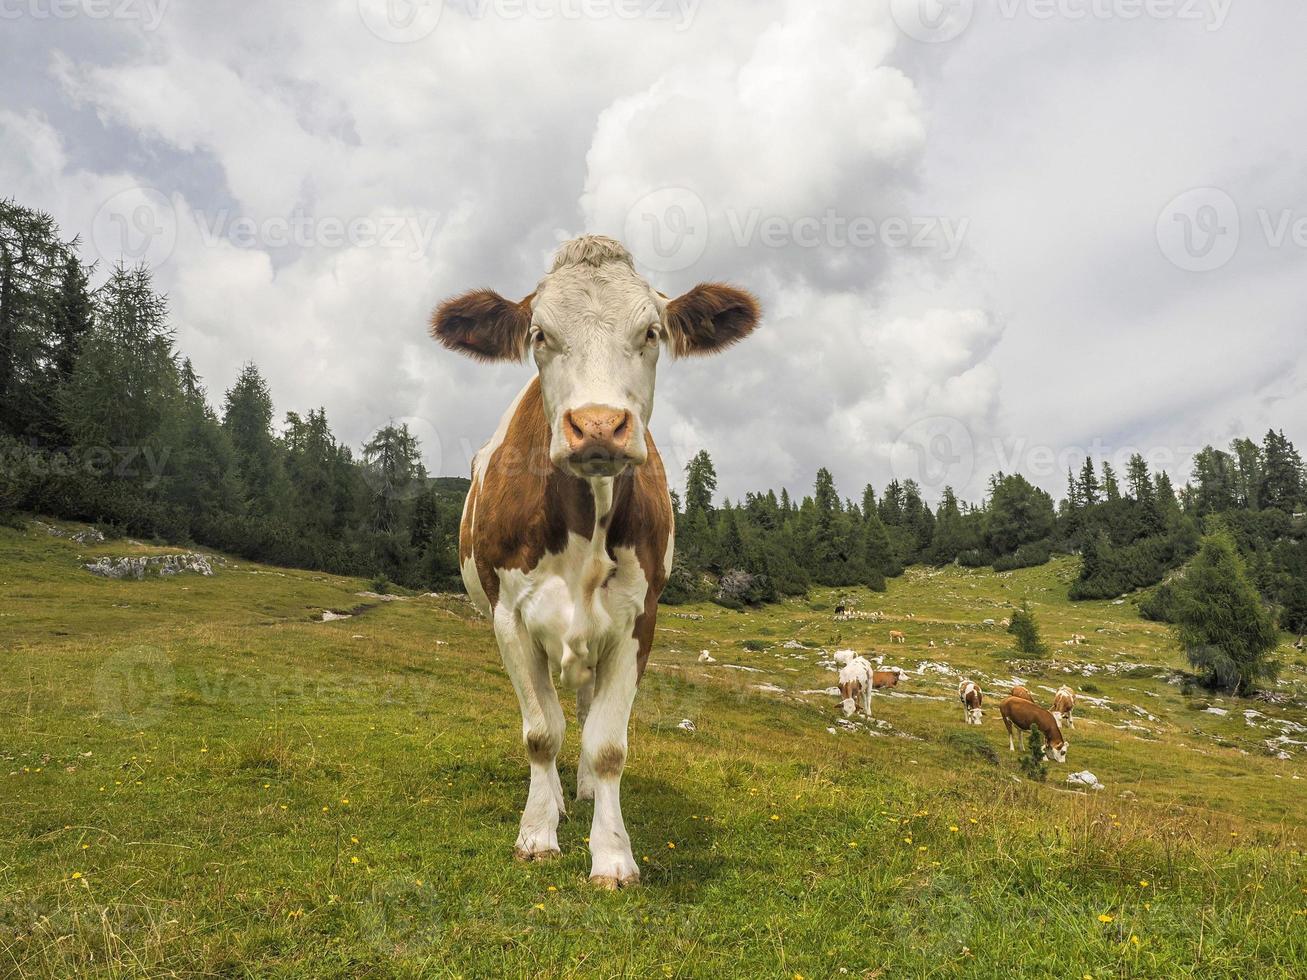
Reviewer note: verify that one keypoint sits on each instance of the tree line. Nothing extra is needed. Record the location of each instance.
(103, 420)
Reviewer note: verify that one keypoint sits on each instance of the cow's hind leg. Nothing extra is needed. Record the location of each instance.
(603, 756)
(542, 733)
(1008, 724)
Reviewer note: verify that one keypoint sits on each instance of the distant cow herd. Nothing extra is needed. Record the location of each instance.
(1019, 710)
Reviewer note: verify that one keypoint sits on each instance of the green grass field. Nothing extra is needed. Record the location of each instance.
(197, 778)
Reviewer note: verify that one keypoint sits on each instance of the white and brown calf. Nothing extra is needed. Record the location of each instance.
(1064, 703)
(970, 695)
(566, 538)
(1020, 714)
(856, 686)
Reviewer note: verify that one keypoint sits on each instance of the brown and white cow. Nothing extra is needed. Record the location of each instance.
(856, 686)
(566, 539)
(1021, 691)
(897, 636)
(1064, 702)
(1021, 714)
(971, 697)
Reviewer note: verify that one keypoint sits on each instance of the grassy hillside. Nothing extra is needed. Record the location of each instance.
(200, 777)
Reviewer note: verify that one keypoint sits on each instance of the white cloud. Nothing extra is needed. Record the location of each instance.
(1043, 150)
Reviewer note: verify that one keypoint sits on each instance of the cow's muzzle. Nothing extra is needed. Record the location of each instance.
(599, 439)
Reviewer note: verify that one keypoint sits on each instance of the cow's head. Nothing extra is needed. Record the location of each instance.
(594, 327)
(1057, 752)
(850, 692)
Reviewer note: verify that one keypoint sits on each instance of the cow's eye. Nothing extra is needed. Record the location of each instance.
(651, 335)
(537, 337)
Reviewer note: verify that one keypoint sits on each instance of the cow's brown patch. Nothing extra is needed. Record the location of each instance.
(608, 762)
(541, 747)
(526, 507)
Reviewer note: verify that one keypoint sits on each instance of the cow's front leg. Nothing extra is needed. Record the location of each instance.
(542, 733)
(603, 756)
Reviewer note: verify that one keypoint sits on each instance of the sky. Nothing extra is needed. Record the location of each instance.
(986, 236)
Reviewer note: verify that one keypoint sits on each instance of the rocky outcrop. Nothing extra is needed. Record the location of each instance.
(162, 566)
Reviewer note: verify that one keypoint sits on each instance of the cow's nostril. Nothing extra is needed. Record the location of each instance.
(623, 428)
(573, 430)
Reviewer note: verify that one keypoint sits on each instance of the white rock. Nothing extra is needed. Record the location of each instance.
(707, 658)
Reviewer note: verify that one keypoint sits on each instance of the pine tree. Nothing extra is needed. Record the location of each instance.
(1111, 489)
(1221, 623)
(247, 419)
(1026, 630)
(700, 483)
(1088, 484)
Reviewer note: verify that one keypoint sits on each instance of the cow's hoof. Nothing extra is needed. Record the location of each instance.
(611, 882)
(547, 854)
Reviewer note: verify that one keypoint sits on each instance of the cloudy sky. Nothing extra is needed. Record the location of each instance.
(989, 235)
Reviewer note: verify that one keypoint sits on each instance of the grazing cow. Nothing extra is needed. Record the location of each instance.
(1064, 702)
(856, 686)
(1021, 691)
(566, 538)
(897, 636)
(1021, 714)
(889, 677)
(971, 697)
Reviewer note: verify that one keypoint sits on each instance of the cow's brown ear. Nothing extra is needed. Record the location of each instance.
(710, 317)
(484, 325)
